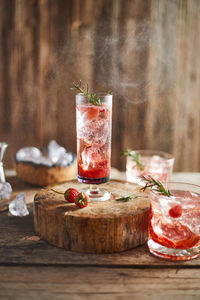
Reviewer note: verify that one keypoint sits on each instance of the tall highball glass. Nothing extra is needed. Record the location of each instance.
(93, 126)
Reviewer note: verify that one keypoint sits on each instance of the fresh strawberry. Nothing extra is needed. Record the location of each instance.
(70, 194)
(82, 200)
(175, 211)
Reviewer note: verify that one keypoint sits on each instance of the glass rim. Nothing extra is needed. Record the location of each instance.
(163, 154)
(106, 99)
(174, 182)
(181, 182)
(101, 94)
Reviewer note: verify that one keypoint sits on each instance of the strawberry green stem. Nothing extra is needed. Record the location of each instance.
(57, 192)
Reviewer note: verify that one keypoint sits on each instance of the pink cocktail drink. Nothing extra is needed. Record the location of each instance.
(94, 141)
(174, 225)
(156, 164)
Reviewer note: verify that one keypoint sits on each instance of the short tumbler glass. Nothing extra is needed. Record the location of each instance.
(156, 164)
(174, 224)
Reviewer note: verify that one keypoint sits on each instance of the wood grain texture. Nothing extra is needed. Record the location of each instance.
(32, 269)
(99, 283)
(145, 51)
(20, 245)
(173, 111)
(101, 227)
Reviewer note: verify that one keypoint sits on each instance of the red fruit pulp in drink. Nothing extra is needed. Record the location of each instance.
(169, 237)
(93, 162)
(101, 170)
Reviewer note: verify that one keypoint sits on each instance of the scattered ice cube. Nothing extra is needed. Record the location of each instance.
(5, 190)
(55, 151)
(18, 207)
(28, 154)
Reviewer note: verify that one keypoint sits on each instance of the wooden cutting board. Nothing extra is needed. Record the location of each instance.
(101, 227)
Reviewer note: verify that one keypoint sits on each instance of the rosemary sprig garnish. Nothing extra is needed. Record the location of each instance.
(93, 98)
(124, 199)
(136, 157)
(128, 198)
(157, 185)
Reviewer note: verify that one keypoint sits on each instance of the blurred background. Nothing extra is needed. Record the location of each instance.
(146, 52)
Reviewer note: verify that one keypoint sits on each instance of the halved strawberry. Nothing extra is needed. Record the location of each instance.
(82, 200)
(70, 194)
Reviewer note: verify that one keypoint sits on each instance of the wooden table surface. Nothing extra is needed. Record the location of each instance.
(32, 269)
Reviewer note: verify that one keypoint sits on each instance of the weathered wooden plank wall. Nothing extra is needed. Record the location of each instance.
(147, 52)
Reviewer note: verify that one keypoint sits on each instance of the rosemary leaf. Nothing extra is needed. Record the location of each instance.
(127, 199)
(93, 98)
(136, 157)
(124, 199)
(157, 185)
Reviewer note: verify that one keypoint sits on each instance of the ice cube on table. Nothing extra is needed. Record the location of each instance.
(5, 190)
(55, 151)
(18, 207)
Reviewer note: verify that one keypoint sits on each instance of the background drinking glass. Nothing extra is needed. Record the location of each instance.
(93, 124)
(157, 164)
(174, 225)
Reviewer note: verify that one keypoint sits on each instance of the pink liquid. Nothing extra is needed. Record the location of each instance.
(157, 167)
(93, 142)
(174, 221)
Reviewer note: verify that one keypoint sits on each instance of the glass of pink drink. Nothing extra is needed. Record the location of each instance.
(174, 224)
(93, 124)
(156, 164)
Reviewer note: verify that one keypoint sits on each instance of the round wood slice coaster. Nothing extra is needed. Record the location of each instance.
(101, 227)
